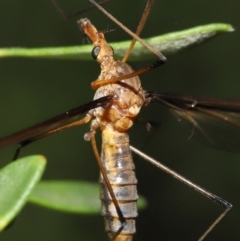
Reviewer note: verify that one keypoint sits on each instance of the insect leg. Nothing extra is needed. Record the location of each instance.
(199, 189)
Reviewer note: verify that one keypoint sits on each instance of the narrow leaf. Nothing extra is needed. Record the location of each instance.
(17, 180)
(70, 196)
(168, 44)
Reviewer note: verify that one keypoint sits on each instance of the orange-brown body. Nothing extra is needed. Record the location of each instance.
(114, 122)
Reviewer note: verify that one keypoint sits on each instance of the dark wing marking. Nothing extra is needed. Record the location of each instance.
(52, 125)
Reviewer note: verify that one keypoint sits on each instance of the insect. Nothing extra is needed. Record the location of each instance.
(191, 102)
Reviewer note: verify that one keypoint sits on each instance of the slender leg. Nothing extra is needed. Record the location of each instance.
(204, 192)
(74, 14)
(109, 186)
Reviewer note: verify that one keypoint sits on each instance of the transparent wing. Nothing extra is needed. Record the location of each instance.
(214, 121)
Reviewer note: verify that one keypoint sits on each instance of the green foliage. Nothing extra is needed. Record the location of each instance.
(168, 44)
(70, 196)
(17, 180)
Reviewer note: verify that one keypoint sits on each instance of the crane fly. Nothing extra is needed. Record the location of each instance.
(118, 99)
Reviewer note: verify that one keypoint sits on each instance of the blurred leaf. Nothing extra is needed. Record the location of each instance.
(71, 196)
(170, 43)
(17, 180)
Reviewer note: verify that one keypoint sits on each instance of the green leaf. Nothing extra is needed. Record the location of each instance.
(16, 182)
(167, 44)
(70, 196)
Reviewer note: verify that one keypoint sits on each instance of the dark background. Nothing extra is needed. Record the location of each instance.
(33, 90)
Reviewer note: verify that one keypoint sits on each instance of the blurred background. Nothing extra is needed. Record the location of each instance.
(32, 90)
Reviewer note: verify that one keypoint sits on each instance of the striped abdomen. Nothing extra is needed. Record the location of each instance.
(117, 160)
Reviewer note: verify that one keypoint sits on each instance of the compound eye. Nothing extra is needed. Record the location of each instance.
(95, 52)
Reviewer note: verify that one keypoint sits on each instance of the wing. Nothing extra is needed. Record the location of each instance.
(65, 120)
(211, 120)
